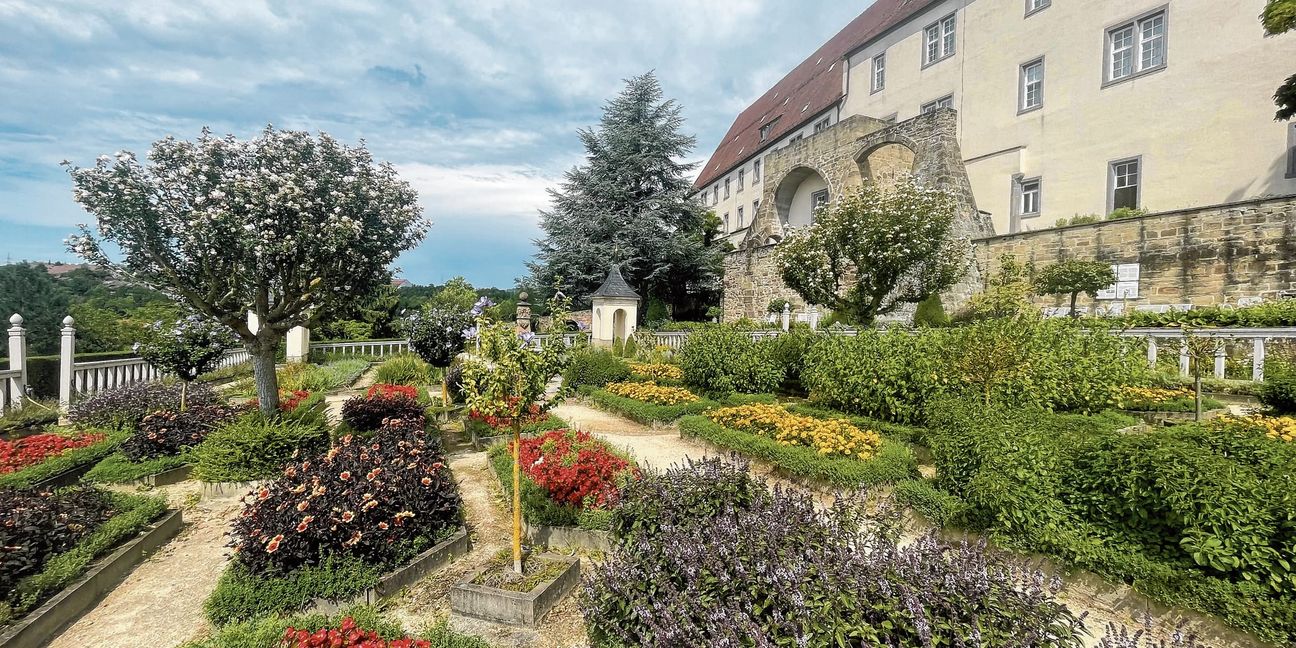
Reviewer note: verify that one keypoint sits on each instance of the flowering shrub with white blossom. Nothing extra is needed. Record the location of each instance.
(871, 251)
(186, 349)
(282, 225)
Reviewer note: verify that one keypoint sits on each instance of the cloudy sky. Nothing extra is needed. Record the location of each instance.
(476, 102)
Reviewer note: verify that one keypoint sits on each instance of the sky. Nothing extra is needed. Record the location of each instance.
(476, 102)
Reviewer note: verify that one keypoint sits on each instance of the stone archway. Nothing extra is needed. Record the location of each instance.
(885, 162)
(798, 194)
(619, 325)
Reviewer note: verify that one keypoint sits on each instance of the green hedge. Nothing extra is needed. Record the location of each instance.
(537, 507)
(133, 514)
(894, 461)
(647, 413)
(1189, 515)
(722, 359)
(66, 461)
(117, 469)
(938, 506)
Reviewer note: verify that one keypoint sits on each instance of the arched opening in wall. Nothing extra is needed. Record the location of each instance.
(886, 163)
(800, 192)
(619, 324)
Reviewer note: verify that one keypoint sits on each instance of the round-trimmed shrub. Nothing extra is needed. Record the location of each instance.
(594, 368)
(722, 359)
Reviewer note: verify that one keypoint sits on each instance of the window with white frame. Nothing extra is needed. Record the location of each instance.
(1125, 178)
(796, 138)
(1030, 198)
(938, 40)
(1031, 94)
(726, 223)
(822, 124)
(1033, 6)
(740, 217)
(715, 195)
(756, 171)
(944, 102)
(726, 188)
(741, 172)
(879, 72)
(1136, 47)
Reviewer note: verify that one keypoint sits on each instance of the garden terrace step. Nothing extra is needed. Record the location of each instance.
(39, 626)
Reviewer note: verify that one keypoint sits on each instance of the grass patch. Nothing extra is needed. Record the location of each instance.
(69, 460)
(893, 462)
(254, 447)
(536, 571)
(242, 596)
(134, 513)
(117, 469)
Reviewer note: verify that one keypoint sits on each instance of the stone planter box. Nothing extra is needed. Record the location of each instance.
(166, 477)
(38, 627)
(67, 477)
(394, 581)
(560, 536)
(516, 608)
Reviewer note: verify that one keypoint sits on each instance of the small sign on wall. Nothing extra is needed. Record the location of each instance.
(1127, 282)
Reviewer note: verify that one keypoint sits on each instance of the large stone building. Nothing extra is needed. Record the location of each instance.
(1059, 108)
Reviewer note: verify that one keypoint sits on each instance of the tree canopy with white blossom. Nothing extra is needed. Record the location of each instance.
(873, 250)
(282, 225)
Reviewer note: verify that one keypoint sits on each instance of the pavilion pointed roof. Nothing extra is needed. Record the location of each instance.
(615, 286)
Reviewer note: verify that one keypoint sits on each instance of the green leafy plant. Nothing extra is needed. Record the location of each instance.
(722, 359)
(404, 369)
(186, 348)
(1074, 276)
(892, 243)
(255, 447)
(1122, 213)
(593, 367)
(931, 313)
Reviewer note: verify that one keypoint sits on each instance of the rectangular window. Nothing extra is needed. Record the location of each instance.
(726, 223)
(740, 179)
(740, 218)
(1291, 152)
(765, 130)
(1031, 93)
(944, 102)
(1033, 6)
(938, 40)
(1125, 179)
(755, 208)
(819, 198)
(1030, 197)
(822, 124)
(715, 195)
(795, 138)
(879, 72)
(726, 188)
(756, 171)
(1136, 47)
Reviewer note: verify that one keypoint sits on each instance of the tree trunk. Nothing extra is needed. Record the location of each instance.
(1074, 296)
(1197, 395)
(184, 393)
(517, 495)
(263, 368)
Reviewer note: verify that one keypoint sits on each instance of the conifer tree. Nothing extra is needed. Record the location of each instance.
(629, 203)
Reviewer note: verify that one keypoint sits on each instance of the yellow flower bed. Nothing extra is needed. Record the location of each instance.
(1282, 428)
(657, 371)
(1150, 395)
(826, 436)
(651, 392)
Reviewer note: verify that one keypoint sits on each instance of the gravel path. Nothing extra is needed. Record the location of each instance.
(161, 600)
(491, 528)
(336, 399)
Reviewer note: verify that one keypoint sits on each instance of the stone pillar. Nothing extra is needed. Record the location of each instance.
(17, 361)
(67, 355)
(1257, 359)
(1183, 356)
(1152, 351)
(787, 316)
(1220, 356)
(523, 318)
(298, 348)
(814, 318)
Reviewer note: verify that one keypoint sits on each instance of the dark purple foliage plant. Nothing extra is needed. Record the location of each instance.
(125, 407)
(708, 556)
(166, 433)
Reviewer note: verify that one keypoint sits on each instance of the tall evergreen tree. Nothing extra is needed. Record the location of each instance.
(629, 203)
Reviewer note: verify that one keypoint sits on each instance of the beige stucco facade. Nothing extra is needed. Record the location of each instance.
(1201, 125)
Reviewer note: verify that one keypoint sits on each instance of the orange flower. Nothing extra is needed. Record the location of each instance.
(345, 475)
(382, 526)
(348, 516)
(273, 545)
(263, 494)
(370, 504)
(302, 505)
(437, 465)
(427, 481)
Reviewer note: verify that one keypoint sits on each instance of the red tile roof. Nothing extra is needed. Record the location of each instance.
(816, 82)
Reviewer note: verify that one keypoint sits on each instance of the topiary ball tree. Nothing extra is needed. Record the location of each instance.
(284, 226)
(1072, 277)
(436, 334)
(186, 349)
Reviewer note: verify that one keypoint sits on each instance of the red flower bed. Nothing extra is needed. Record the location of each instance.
(534, 414)
(384, 390)
(288, 400)
(29, 451)
(575, 468)
(347, 636)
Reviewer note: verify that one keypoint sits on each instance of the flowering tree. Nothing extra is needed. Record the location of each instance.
(874, 250)
(283, 226)
(436, 334)
(186, 349)
(508, 380)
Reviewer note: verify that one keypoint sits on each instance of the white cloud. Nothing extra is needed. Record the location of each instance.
(514, 193)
